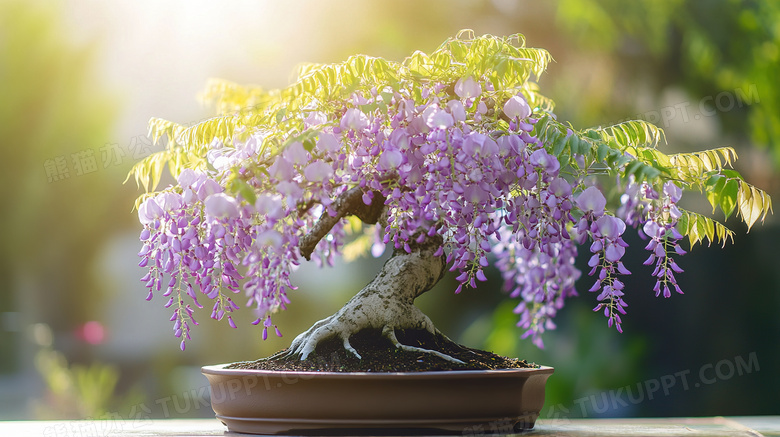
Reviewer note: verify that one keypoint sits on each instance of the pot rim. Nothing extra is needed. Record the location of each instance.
(219, 369)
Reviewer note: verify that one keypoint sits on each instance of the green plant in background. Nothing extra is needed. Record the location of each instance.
(707, 46)
(75, 391)
(578, 348)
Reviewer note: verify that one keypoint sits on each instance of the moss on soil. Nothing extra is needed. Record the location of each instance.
(379, 355)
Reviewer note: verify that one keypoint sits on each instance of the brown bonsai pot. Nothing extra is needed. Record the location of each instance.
(289, 402)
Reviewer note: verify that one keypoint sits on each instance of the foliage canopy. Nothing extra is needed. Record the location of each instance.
(458, 144)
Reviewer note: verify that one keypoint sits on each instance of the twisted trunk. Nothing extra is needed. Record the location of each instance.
(387, 302)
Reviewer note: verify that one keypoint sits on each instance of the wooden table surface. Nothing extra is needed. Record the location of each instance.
(707, 426)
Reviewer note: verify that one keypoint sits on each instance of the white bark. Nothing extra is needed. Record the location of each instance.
(386, 303)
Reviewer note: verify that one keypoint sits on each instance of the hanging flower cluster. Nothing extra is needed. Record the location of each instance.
(607, 248)
(661, 228)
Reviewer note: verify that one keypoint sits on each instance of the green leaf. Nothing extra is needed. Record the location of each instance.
(280, 115)
(753, 203)
(617, 160)
(728, 196)
(634, 133)
(682, 224)
(541, 126)
(308, 144)
(459, 50)
(442, 60)
(593, 134)
(732, 174)
(574, 144)
(501, 68)
(641, 171)
(244, 189)
(602, 152)
(714, 188)
(698, 228)
(559, 145)
(583, 147)
(691, 167)
(656, 158)
(419, 64)
(368, 108)
(712, 180)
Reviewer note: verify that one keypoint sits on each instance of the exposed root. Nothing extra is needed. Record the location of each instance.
(351, 349)
(334, 326)
(379, 355)
(306, 343)
(342, 327)
(389, 333)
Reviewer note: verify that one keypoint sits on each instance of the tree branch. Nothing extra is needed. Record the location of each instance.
(348, 203)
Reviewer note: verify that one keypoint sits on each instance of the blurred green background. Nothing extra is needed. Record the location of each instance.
(79, 79)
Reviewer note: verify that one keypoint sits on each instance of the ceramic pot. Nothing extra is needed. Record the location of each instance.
(466, 401)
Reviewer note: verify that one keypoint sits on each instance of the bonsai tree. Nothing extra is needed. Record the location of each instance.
(453, 159)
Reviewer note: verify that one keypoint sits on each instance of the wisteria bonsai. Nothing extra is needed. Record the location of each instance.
(452, 160)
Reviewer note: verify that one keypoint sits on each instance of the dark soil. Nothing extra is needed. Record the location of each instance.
(379, 355)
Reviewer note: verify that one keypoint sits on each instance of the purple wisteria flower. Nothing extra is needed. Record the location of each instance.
(607, 249)
(660, 227)
(467, 88)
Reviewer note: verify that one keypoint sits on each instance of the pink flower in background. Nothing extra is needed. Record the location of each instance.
(92, 332)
